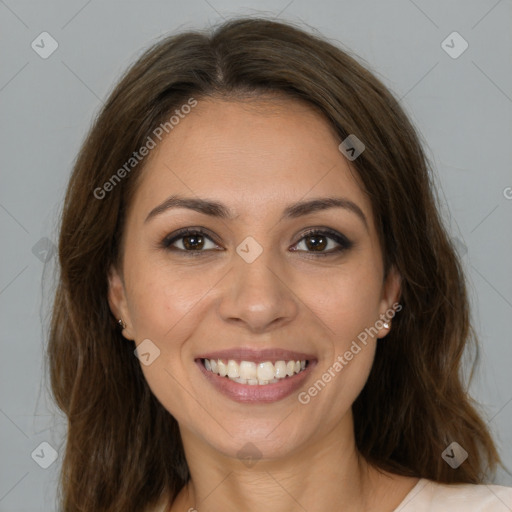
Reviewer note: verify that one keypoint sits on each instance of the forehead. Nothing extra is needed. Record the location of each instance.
(250, 154)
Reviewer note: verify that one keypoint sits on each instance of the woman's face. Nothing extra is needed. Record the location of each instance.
(281, 264)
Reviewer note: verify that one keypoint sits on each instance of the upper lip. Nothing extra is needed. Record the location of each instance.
(258, 356)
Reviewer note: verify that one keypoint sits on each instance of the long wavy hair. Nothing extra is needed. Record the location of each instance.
(123, 449)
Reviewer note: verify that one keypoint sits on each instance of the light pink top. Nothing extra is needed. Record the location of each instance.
(429, 496)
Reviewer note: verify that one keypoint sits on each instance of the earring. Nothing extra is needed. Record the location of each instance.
(121, 323)
(386, 325)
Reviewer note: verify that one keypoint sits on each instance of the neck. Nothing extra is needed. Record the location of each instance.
(313, 477)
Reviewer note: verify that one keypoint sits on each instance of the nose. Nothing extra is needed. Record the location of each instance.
(257, 296)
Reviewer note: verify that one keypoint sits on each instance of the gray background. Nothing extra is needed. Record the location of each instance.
(462, 107)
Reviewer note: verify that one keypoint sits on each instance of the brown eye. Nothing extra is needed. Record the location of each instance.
(323, 243)
(189, 240)
(193, 242)
(316, 242)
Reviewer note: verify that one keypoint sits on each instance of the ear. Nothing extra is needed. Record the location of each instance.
(391, 291)
(117, 301)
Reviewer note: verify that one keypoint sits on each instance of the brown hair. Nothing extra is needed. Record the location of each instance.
(123, 448)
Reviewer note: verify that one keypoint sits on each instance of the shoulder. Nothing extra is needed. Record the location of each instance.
(429, 496)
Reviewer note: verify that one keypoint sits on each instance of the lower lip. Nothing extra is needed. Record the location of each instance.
(257, 393)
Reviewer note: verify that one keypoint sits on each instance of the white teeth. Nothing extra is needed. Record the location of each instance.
(248, 372)
(266, 371)
(233, 369)
(281, 369)
(222, 369)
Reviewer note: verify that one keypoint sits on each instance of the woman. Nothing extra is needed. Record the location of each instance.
(259, 307)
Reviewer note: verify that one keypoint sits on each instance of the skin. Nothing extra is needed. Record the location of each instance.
(257, 157)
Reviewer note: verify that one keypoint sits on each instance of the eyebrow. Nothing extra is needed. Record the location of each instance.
(293, 211)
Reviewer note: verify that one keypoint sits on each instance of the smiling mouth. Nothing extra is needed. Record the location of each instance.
(252, 373)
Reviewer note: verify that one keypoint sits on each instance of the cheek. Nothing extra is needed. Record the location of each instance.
(165, 308)
(347, 301)
(351, 309)
(162, 300)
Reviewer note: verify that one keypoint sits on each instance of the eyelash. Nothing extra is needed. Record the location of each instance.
(343, 242)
